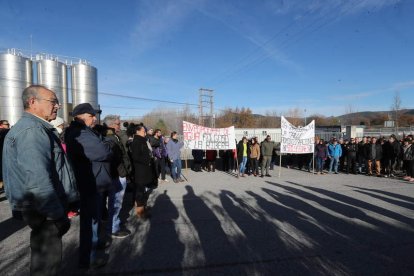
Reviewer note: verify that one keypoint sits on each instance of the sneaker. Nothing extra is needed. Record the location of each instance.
(175, 180)
(262, 176)
(102, 245)
(268, 175)
(411, 180)
(181, 180)
(98, 262)
(72, 214)
(165, 180)
(121, 234)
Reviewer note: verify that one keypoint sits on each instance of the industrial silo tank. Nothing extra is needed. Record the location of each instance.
(16, 74)
(84, 85)
(53, 74)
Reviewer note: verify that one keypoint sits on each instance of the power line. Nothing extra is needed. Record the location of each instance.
(101, 93)
(144, 99)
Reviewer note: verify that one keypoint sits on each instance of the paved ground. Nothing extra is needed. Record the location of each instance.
(215, 224)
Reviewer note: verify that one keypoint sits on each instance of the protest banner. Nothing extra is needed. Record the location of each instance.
(297, 139)
(206, 138)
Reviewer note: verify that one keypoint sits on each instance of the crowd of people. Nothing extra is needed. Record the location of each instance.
(53, 172)
(372, 156)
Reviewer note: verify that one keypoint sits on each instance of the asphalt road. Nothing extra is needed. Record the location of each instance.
(216, 224)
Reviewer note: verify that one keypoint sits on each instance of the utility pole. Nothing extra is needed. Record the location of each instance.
(305, 116)
(206, 97)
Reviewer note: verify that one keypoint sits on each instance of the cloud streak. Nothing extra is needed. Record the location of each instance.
(393, 88)
(159, 20)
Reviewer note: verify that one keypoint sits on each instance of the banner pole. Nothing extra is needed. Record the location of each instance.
(313, 162)
(280, 164)
(237, 164)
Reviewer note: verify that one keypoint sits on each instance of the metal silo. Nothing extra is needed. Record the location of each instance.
(16, 74)
(84, 85)
(53, 74)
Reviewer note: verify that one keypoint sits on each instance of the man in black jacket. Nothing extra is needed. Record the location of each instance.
(120, 172)
(91, 158)
(362, 155)
(391, 149)
(351, 151)
(4, 128)
(374, 153)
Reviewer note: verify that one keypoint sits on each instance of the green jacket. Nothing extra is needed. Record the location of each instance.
(267, 148)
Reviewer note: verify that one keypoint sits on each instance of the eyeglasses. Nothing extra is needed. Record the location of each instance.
(54, 101)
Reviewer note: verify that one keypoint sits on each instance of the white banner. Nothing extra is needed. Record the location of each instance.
(205, 138)
(297, 139)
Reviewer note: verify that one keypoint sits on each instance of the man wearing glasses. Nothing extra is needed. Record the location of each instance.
(38, 179)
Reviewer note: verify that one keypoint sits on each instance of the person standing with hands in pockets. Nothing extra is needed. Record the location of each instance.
(174, 153)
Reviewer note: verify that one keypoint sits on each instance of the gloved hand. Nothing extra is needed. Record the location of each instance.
(63, 225)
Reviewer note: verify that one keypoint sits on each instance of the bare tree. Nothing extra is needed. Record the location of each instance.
(396, 108)
(295, 116)
(351, 116)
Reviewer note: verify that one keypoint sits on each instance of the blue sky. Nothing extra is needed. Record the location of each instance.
(325, 56)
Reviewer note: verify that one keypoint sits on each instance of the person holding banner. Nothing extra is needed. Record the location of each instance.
(243, 151)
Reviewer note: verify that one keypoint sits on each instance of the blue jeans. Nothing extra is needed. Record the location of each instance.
(115, 199)
(320, 162)
(90, 220)
(176, 169)
(243, 164)
(334, 163)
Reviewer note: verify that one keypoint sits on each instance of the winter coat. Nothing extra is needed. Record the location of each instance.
(255, 151)
(174, 149)
(334, 151)
(321, 151)
(370, 151)
(211, 155)
(159, 149)
(362, 150)
(91, 157)
(36, 172)
(198, 155)
(351, 149)
(240, 150)
(267, 148)
(142, 161)
(408, 152)
(391, 150)
(3, 133)
(121, 165)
